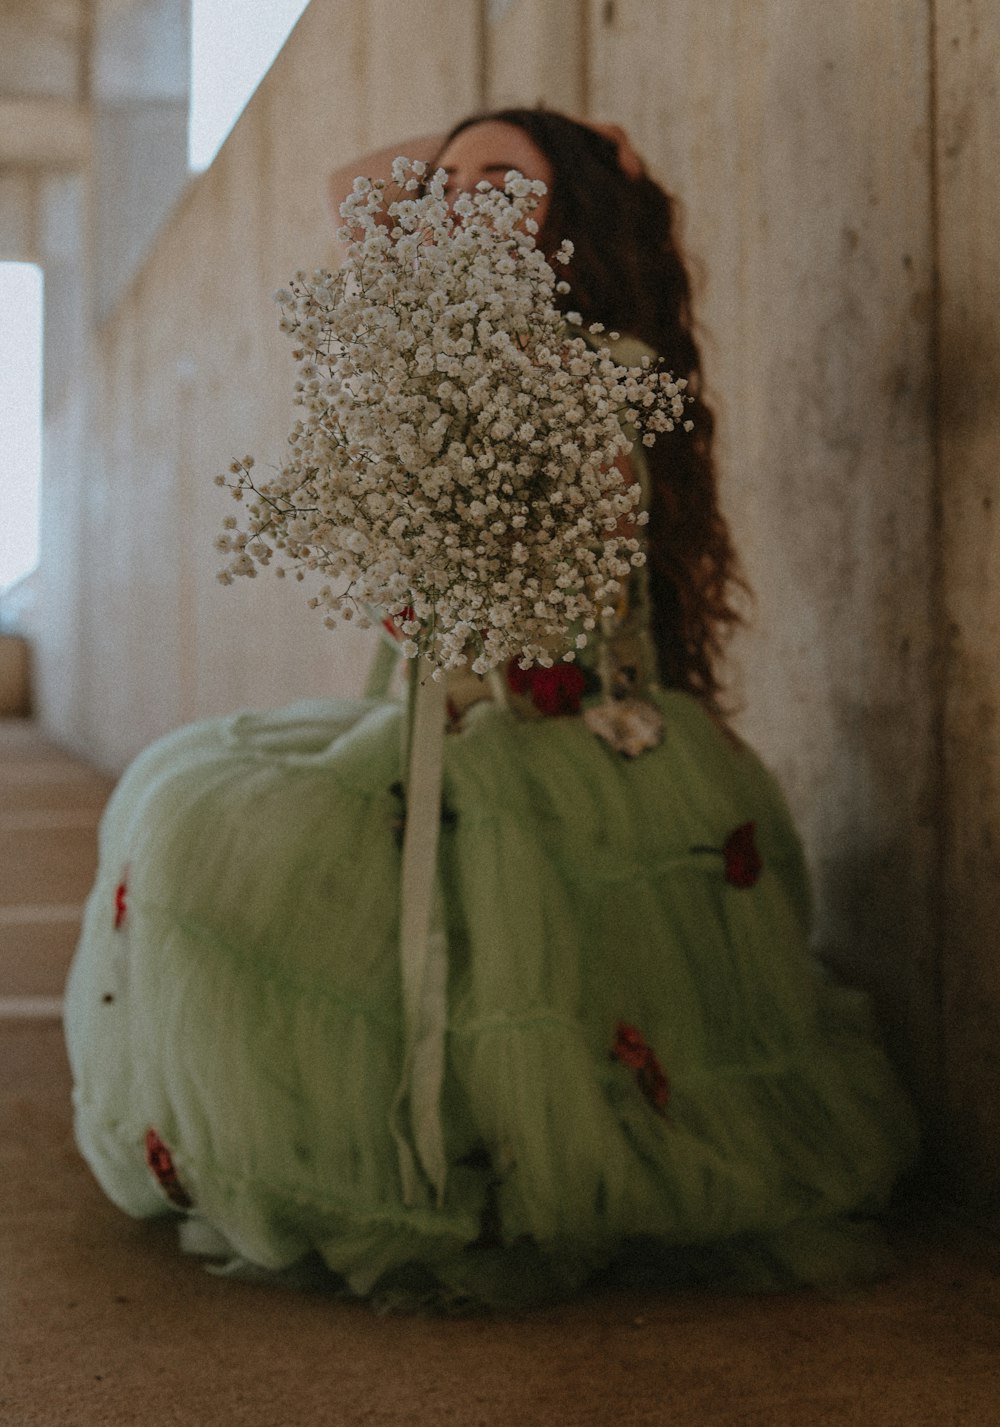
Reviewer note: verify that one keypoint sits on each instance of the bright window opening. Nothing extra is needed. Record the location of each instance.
(233, 45)
(20, 418)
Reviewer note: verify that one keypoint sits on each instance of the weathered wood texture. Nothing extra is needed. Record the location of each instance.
(968, 220)
(815, 241)
(191, 371)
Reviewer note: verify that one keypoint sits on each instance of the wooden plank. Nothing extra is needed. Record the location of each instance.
(968, 219)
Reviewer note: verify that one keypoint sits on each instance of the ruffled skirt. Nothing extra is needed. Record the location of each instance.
(645, 1070)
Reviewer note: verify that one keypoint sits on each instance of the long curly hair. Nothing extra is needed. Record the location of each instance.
(628, 271)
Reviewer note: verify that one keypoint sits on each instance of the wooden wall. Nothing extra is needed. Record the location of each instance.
(815, 245)
(837, 170)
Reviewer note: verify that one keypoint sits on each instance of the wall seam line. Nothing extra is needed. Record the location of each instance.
(483, 78)
(940, 652)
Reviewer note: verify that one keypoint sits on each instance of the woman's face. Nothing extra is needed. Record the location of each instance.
(488, 151)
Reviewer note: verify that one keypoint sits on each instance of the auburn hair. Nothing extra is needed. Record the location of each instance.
(628, 271)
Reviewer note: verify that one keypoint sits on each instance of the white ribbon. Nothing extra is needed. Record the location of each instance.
(415, 1117)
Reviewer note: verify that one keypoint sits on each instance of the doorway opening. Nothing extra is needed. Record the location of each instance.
(20, 418)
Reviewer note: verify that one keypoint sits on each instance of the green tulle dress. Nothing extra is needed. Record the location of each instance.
(645, 1072)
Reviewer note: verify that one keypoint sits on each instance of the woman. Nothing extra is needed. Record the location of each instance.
(643, 1070)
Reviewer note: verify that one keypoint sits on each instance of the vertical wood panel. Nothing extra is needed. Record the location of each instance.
(968, 218)
(191, 371)
(803, 167)
(264, 199)
(536, 53)
(424, 66)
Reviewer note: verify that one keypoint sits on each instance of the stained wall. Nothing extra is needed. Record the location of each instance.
(966, 355)
(816, 245)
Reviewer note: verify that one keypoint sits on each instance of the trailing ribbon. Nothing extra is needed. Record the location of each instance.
(415, 1117)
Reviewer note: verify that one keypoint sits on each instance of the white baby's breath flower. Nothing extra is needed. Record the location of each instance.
(454, 457)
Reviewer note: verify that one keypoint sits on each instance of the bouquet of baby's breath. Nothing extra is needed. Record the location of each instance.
(454, 465)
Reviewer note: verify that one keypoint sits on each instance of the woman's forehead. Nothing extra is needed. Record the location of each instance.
(496, 147)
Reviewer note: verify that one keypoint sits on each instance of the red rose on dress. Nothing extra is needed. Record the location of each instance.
(161, 1166)
(631, 1050)
(743, 861)
(629, 1047)
(555, 692)
(392, 622)
(120, 905)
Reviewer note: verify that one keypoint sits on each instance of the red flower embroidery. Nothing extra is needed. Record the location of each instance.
(120, 907)
(631, 1050)
(393, 621)
(743, 861)
(630, 1046)
(161, 1166)
(554, 692)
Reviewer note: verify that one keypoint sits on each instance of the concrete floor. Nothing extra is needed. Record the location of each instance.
(102, 1321)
